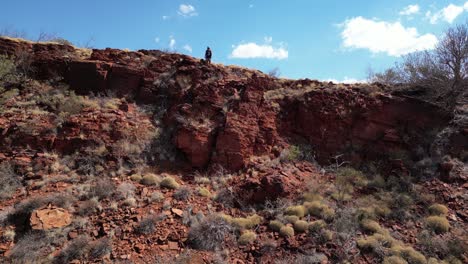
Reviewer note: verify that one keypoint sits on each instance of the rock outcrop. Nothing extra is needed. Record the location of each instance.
(226, 115)
(50, 218)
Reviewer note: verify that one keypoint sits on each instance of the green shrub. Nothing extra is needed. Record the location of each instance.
(286, 231)
(298, 210)
(292, 153)
(275, 225)
(438, 224)
(150, 179)
(169, 182)
(301, 226)
(394, 260)
(247, 237)
(7, 69)
(438, 209)
(316, 226)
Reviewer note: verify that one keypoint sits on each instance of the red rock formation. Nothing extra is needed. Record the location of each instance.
(49, 218)
(244, 118)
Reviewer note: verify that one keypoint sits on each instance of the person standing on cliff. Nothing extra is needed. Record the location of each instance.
(208, 55)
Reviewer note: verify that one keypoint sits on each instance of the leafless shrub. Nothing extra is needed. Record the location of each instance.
(148, 224)
(100, 248)
(89, 207)
(210, 234)
(226, 197)
(31, 248)
(76, 249)
(9, 181)
(12, 33)
(183, 194)
(275, 72)
(103, 188)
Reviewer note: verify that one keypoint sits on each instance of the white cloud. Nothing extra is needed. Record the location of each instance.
(187, 48)
(346, 80)
(448, 13)
(268, 39)
(172, 42)
(410, 10)
(384, 37)
(252, 50)
(187, 10)
(165, 17)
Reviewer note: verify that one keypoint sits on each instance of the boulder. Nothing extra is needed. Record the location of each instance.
(50, 218)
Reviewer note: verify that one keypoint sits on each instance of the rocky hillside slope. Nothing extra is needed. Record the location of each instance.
(111, 155)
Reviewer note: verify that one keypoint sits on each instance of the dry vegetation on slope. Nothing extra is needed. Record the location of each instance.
(147, 157)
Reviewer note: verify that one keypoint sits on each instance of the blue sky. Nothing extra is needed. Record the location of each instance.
(317, 39)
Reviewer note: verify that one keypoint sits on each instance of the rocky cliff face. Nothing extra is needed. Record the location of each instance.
(226, 115)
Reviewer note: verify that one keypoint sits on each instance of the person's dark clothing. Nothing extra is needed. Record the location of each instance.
(208, 55)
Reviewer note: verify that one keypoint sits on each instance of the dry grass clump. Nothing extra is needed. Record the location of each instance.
(371, 226)
(347, 179)
(409, 254)
(376, 241)
(247, 237)
(169, 182)
(248, 222)
(297, 210)
(291, 218)
(438, 224)
(312, 197)
(301, 226)
(318, 209)
(126, 190)
(316, 226)
(156, 196)
(438, 209)
(204, 192)
(136, 177)
(394, 260)
(150, 179)
(286, 231)
(275, 225)
(9, 235)
(130, 202)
